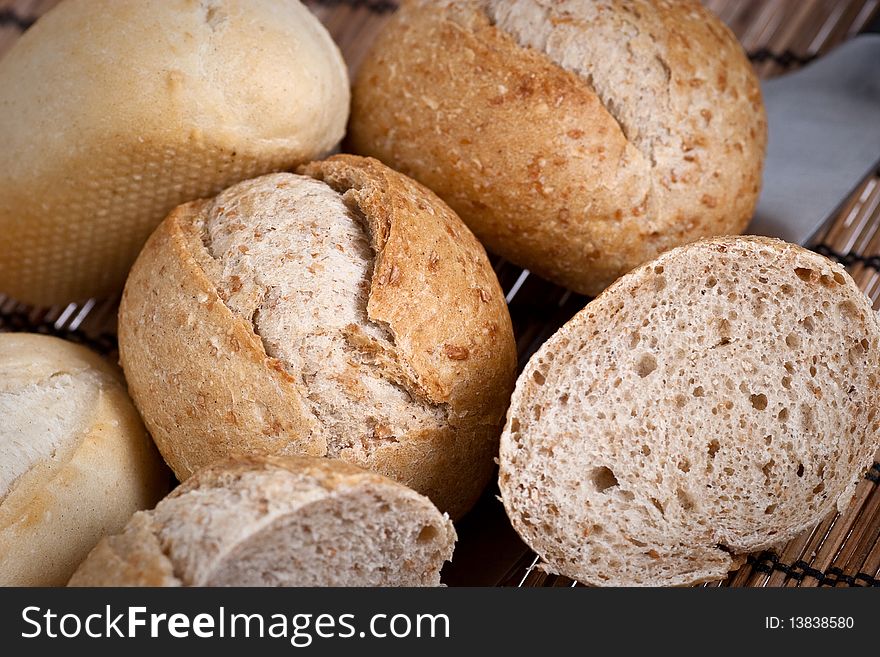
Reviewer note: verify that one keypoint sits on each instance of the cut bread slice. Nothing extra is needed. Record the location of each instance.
(716, 401)
(278, 521)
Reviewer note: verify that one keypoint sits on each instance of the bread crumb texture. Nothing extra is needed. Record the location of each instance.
(274, 521)
(577, 139)
(716, 401)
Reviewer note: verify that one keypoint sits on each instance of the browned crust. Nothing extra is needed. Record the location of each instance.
(206, 387)
(530, 158)
(137, 556)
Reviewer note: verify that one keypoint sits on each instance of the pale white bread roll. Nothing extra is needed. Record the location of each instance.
(719, 400)
(75, 459)
(116, 111)
(342, 312)
(278, 521)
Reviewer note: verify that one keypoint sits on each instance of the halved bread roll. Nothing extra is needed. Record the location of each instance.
(719, 400)
(344, 312)
(278, 521)
(75, 459)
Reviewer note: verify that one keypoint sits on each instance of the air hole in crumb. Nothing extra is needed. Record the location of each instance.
(658, 269)
(782, 416)
(770, 509)
(793, 341)
(684, 465)
(563, 398)
(711, 282)
(800, 470)
(514, 425)
(849, 311)
(714, 446)
(427, 534)
(646, 451)
(684, 499)
(759, 402)
(538, 377)
(603, 479)
(645, 365)
(634, 340)
(786, 289)
(812, 370)
(839, 278)
(808, 324)
(786, 382)
(804, 273)
(658, 506)
(819, 488)
(698, 391)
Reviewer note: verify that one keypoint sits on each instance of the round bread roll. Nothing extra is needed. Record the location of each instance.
(719, 400)
(344, 312)
(278, 521)
(75, 459)
(576, 138)
(116, 111)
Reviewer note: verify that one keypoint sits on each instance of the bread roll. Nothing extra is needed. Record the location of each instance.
(342, 312)
(576, 138)
(75, 459)
(278, 521)
(719, 400)
(116, 111)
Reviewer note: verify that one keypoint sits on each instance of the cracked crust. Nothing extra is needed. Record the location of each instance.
(249, 521)
(538, 123)
(77, 461)
(719, 400)
(435, 334)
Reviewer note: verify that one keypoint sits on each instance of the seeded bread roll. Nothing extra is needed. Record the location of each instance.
(278, 521)
(75, 459)
(343, 312)
(116, 111)
(577, 138)
(717, 401)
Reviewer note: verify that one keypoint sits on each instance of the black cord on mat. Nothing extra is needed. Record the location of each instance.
(786, 58)
(768, 562)
(103, 343)
(9, 17)
(378, 6)
(848, 259)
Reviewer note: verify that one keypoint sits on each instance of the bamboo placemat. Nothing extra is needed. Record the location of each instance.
(779, 35)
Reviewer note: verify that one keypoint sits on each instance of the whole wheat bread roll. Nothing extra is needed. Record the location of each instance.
(75, 459)
(577, 138)
(116, 111)
(278, 521)
(343, 312)
(719, 400)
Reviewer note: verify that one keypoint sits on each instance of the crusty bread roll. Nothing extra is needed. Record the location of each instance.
(75, 459)
(718, 400)
(344, 312)
(116, 111)
(278, 521)
(576, 138)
